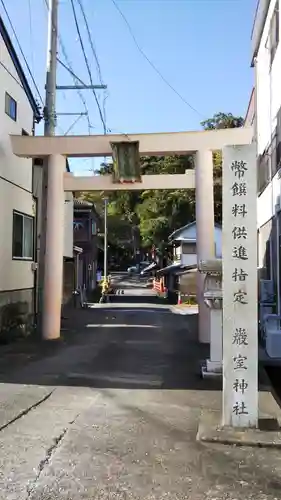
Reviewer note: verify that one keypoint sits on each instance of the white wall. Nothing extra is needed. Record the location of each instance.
(189, 259)
(15, 176)
(68, 225)
(190, 233)
(268, 103)
(17, 170)
(14, 274)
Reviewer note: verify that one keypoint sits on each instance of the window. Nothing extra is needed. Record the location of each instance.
(22, 236)
(189, 248)
(10, 107)
(263, 171)
(274, 32)
(94, 228)
(265, 250)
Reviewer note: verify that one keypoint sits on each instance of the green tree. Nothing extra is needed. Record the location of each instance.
(223, 120)
(162, 211)
(220, 121)
(156, 214)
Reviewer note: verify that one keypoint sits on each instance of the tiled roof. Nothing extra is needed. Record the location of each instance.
(82, 203)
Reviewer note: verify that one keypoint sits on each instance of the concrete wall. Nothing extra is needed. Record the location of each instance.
(16, 276)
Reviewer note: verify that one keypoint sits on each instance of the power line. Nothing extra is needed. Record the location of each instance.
(76, 81)
(31, 34)
(105, 94)
(21, 51)
(87, 64)
(91, 41)
(151, 63)
(74, 77)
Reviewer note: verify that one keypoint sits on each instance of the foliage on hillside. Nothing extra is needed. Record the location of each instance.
(148, 217)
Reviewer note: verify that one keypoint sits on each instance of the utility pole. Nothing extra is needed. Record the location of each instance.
(49, 130)
(51, 76)
(105, 239)
(50, 277)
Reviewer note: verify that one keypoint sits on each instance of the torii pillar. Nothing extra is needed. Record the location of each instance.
(53, 262)
(205, 231)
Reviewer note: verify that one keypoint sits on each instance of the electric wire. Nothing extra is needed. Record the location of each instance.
(76, 81)
(22, 53)
(98, 67)
(87, 64)
(31, 35)
(151, 63)
(91, 41)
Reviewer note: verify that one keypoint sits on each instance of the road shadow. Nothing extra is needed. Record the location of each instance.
(155, 350)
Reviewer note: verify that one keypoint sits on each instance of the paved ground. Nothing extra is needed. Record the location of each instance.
(112, 413)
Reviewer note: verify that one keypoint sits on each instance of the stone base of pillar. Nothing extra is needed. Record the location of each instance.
(213, 366)
(204, 319)
(211, 369)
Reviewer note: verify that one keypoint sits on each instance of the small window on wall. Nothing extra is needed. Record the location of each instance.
(10, 107)
(22, 236)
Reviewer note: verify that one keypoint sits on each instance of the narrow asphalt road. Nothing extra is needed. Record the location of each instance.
(113, 414)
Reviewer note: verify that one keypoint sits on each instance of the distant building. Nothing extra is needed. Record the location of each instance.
(184, 244)
(265, 113)
(20, 199)
(85, 236)
(19, 113)
(180, 275)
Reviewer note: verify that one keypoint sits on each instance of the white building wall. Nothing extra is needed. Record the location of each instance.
(15, 176)
(190, 234)
(17, 170)
(188, 259)
(68, 225)
(14, 274)
(268, 104)
(268, 90)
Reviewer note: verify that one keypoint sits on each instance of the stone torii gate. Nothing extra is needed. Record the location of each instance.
(55, 149)
(240, 381)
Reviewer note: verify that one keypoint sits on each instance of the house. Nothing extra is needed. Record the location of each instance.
(19, 114)
(20, 199)
(180, 275)
(266, 116)
(85, 236)
(184, 244)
